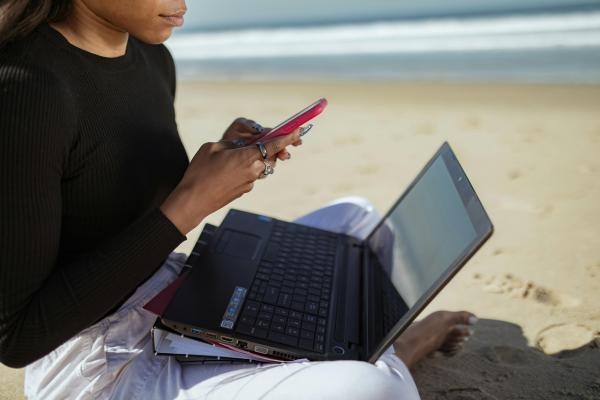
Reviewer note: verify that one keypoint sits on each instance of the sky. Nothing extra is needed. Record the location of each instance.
(232, 14)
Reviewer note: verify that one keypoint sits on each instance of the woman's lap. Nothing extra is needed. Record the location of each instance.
(120, 363)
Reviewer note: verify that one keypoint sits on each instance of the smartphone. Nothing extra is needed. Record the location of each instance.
(297, 120)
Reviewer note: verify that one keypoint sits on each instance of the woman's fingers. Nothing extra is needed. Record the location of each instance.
(274, 146)
(283, 155)
(247, 125)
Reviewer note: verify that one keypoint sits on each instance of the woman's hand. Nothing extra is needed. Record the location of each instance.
(243, 131)
(218, 174)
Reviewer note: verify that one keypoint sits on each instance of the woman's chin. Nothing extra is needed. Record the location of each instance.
(154, 36)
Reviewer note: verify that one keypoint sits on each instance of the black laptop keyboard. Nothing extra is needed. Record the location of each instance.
(289, 299)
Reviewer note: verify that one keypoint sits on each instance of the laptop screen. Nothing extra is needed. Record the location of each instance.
(433, 224)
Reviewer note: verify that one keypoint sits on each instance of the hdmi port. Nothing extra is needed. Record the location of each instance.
(227, 339)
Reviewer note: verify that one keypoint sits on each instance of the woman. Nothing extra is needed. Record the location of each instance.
(96, 192)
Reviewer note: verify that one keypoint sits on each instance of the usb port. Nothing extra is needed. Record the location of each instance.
(242, 345)
(196, 331)
(211, 335)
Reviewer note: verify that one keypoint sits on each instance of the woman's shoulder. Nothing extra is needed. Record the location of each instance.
(27, 64)
(160, 57)
(32, 89)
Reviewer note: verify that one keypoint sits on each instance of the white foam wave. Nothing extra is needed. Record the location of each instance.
(447, 35)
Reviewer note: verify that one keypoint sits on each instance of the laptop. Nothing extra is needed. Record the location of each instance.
(288, 291)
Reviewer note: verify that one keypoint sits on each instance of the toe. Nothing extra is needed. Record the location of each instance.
(463, 317)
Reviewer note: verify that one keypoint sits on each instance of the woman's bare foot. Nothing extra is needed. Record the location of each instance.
(443, 330)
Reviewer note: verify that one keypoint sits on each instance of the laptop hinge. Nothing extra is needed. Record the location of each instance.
(364, 305)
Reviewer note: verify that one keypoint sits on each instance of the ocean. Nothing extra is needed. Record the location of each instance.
(544, 45)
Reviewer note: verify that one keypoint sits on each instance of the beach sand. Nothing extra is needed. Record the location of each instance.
(533, 155)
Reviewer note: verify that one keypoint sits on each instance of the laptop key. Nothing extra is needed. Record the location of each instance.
(247, 320)
(245, 329)
(281, 311)
(304, 334)
(298, 306)
(295, 315)
(320, 347)
(284, 300)
(251, 308)
(312, 307)
(286, 289)
(252, 331)
(260, 333)
(292, 331)
(271, 253)
(284, 339)
(299, 298)
(265, 315)
(310, 318)
(313, 298)
(263, 323)
(278, 327)
(267, 308)
(306, 344)
(294, 323)
(309, 326)
(271, 295)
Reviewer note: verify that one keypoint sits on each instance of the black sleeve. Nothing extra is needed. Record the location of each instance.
(44, 302)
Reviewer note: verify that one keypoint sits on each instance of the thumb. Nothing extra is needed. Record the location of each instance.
(277, 144)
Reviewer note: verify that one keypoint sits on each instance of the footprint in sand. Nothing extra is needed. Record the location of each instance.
(556, 338)
(514, 174)
(425, 129)
(367, 169)
(510, 355)
(593, 269)
(514, 287)
(311, 190)
(348, 140)
(522, 205)
(531, 134)
(343, 187)
(587, 169)
(464, 393)
(472, 122)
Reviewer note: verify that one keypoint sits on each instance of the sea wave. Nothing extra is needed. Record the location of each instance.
(519, 32)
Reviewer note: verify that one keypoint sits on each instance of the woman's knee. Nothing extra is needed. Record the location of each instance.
(345, 380)
(355, 201)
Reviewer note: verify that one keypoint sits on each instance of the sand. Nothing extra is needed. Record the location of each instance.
(533, 155)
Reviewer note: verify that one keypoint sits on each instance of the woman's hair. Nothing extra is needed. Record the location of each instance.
(20, 17)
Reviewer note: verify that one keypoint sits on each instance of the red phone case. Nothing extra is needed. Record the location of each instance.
(297, 120)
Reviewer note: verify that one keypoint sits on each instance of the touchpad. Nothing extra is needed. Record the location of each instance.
(239, 244)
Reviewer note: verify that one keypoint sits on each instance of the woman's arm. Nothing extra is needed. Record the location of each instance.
(43, 301)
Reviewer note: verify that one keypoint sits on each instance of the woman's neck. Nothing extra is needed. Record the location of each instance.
(85, 29)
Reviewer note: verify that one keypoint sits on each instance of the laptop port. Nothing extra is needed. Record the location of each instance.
(242, 345)
(211, 335)
(227, 339)
(261, 350)
(196, 331)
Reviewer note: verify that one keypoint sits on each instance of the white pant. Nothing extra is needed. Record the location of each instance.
(113, 359)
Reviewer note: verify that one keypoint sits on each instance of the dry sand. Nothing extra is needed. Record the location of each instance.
(533, 155)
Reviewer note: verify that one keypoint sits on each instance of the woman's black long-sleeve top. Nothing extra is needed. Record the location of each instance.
(89, 149)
